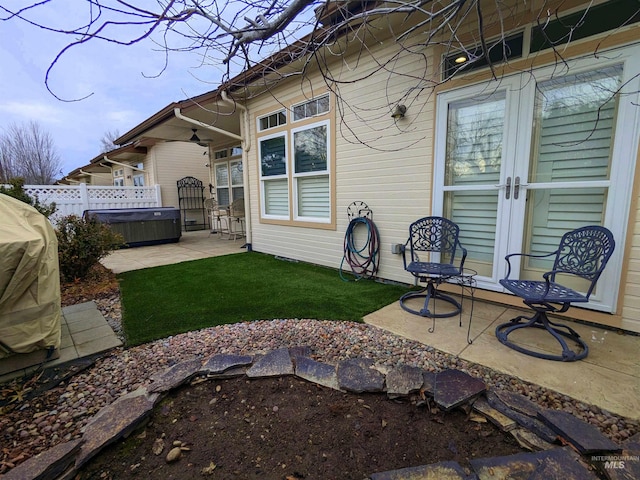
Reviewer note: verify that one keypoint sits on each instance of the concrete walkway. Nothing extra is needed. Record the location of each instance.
(84, 332)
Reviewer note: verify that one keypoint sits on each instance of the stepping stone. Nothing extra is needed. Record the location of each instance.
(317, 372)
(500, 420)
(300, 351)
(114, 421)
(532, 424)
(176, 375)
(275, 363)
(358, 375)
(519, 403)
(585, 437)
(46, 465)
(555, 463)
(222, 363)
(429, 383)
(403, 380)
(625, 466)
(530, 440)
(436, 471)
(453, 388)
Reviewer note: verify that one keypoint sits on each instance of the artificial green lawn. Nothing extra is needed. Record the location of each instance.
(162, 301)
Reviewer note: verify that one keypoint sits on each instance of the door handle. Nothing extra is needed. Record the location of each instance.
(507, 187)
(516, 188)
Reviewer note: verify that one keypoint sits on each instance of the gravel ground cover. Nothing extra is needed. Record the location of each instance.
(29, 425)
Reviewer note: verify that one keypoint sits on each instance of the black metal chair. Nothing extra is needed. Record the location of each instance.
(437, 239)
(584, 253)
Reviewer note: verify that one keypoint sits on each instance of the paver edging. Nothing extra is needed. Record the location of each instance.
(276, 363)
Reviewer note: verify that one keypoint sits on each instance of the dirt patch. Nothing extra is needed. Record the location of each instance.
(100, 282)
(286, 428)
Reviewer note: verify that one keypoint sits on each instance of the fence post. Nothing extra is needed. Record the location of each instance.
(158, 196)
(84, 197)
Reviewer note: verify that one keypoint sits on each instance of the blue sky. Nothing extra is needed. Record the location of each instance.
(115, 76)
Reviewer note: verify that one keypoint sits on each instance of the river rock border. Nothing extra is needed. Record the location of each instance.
(542, 431)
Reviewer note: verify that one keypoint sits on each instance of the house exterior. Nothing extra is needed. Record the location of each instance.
(516, 152)
(91, 174)
(153, 162)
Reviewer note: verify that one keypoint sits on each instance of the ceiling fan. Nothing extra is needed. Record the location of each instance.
(196, 139)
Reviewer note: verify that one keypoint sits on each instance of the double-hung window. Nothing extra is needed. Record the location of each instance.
(295, 163)
(311, 172)
(274, 177)
(228, 175)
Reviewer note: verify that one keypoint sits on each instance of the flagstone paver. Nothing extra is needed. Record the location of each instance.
(46, 465)
(403, 380)
(273, 364)
(317, 372)
(176, 375)
(453, 388)
(222, 363)
(358, 375)
(530, 423)
(586, 438)
(435, 471)
(556, 463)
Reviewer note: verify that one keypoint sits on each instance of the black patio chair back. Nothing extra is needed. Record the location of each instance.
(434, 235)
(583, 252)
(438, 239)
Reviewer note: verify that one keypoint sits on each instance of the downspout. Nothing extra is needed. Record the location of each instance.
(245, 138)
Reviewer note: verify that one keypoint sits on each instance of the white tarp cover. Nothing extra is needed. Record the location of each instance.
(30, 310)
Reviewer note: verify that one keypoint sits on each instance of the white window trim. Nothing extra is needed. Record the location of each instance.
(280, 110)
(285, 176)
(295, 176)
(315, 99)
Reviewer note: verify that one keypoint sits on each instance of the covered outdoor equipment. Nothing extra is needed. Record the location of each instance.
(30, 312)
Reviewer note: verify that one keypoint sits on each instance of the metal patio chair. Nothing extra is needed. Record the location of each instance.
(213, 209)
(582, 253)
(436, 240)
(235, 219)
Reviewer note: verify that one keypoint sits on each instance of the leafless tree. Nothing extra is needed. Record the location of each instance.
(27, 151)
(339, 38)
(107, 140)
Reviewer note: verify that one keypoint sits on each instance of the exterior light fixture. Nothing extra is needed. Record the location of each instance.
(460, 59)
(399, 112)
(194, 137)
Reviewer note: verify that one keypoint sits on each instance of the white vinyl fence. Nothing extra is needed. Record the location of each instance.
(75, 199)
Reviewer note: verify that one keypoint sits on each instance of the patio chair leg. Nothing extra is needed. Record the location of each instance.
(430, 292)
(540, 320)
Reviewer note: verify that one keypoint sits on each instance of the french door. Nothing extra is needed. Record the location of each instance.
(521, 161)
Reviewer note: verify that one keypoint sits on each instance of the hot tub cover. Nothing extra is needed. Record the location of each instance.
(30, 312)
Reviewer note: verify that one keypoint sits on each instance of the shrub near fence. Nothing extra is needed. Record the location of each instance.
(75, 199)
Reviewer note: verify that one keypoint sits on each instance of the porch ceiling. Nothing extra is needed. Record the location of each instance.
(170, 128)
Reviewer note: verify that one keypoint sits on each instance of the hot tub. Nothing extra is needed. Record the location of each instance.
(142, 226)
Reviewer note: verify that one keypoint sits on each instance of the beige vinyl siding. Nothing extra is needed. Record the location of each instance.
(171, 161)
(631, 291)
(395, 183)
